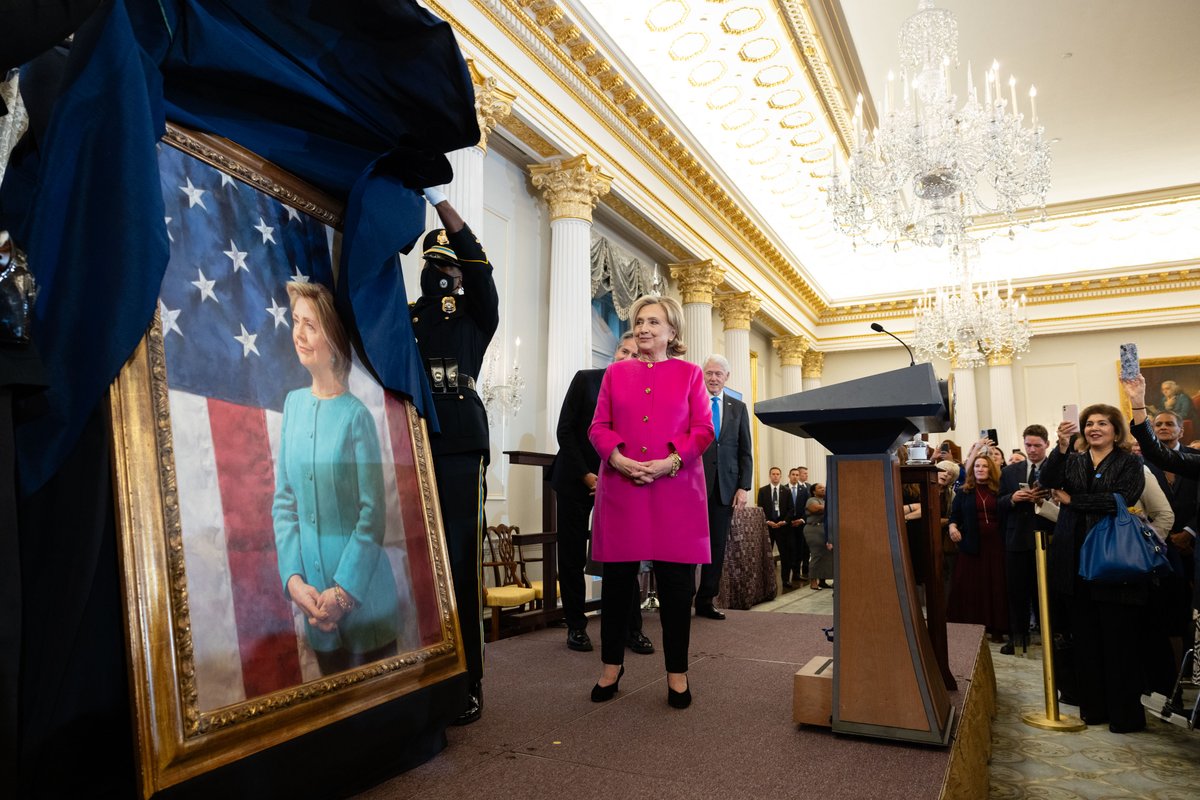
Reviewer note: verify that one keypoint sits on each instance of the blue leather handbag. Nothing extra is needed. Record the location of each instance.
(1122, 547)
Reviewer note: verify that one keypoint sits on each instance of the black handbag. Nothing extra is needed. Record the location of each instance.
(1122, 547)
(18, 292)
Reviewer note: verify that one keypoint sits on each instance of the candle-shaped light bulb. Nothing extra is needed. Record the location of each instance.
(970, 83)
(891, 83)
(1012, 91)
(1033, 105)
(516, 351)
(987, 88)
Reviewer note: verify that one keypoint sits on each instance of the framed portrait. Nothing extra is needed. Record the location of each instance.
(280, 538)
(1172, 384)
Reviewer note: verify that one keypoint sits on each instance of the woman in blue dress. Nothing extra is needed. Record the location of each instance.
(329, 500)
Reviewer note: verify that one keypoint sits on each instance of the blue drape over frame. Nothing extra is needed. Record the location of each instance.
(359, 99)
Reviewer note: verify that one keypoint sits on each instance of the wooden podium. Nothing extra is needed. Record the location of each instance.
(886, 679)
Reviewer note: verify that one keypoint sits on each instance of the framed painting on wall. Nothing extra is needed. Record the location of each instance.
(1172, 384)
(281, 546)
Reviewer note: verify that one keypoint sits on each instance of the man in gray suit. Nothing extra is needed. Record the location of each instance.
(728, 464)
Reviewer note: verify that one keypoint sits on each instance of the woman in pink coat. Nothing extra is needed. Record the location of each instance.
(651, 427)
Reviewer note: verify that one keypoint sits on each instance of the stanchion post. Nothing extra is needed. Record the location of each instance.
(1051, 720)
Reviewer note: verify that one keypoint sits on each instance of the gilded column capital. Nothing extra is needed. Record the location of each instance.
(571, 186)
(791, 350)
(737, 309)
(493, 105)
(698, 280)
(814, 363)
(1001, 358)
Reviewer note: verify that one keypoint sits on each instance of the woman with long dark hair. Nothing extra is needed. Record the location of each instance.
(1106, 619)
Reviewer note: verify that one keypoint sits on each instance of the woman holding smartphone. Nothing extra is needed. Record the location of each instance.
(1084, 472)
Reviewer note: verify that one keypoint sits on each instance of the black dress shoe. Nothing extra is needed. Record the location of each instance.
(825, 585)
(639, 643)
(601, 694)
(474, 709)
(579, 640)
(1007, 649)
(787, 587)
(708, 612)
(679, 699)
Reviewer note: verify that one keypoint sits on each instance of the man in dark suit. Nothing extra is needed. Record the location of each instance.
(1020, 495)
(799, 490)
(728, 462)
(776, 503)
(573, 477)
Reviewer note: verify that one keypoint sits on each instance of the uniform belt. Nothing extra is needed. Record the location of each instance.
(444, 377)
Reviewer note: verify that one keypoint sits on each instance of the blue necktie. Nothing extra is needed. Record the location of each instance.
(716, 409)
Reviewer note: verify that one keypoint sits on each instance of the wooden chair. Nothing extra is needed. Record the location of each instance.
(547, 542)
(510, 590)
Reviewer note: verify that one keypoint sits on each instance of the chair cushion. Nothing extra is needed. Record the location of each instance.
(540, 591)
(505, 596)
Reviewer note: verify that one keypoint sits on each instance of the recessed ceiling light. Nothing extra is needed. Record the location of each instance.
(1056, 140)
(1067, 55)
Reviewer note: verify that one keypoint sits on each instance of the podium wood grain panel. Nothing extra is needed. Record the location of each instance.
(877, 686)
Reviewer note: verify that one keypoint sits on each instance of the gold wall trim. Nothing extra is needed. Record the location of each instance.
(546, 22)
(1094, 206)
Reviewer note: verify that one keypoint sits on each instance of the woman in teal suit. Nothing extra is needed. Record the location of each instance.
(329, 502)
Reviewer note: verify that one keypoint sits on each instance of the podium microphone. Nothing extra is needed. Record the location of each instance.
(875, 326)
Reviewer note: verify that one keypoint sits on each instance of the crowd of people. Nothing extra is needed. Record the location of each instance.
(1114, 641)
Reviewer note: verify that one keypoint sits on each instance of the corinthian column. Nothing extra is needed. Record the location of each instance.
(1004, 409)
(571, 188)
(493, 105)
(791, 359)
(966, 405)
(736, 311)
(814, 452)
(697, 282)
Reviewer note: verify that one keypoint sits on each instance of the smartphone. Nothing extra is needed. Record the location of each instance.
(1071, 412)
(989, 433)
(1130, 368)
(1022, 485)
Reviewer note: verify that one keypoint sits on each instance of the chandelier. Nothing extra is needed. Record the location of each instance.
(502, 393)
(935, 163)
(969, 324)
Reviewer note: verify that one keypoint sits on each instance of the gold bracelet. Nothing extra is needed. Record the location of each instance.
(677, 463)
(343, 599)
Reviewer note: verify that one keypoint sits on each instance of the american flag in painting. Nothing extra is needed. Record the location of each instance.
(227, 333)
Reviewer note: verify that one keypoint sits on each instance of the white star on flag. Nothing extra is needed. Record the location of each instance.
(266, 230)
(297, 277)
(236, 256)
(195, 196)
(166, 222)
(227, 180)
(169, 319)
(206, 287)
(246, 340)
(292, 213)
(279, 313)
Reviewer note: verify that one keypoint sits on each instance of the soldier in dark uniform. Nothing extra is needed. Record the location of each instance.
(454, 320)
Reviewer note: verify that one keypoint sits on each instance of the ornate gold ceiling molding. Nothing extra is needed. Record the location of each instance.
(823, 44)
(1094, 206)
(530, 138)
(1172, 276)
(493, 105)
(557, 34)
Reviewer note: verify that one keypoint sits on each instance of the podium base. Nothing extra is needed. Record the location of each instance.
(1065, 722)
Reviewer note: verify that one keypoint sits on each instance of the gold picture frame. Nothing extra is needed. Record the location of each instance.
(180, 734)
(1185, 371)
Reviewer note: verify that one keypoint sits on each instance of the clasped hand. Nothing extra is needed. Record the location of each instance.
(322, 608)
(641, 473)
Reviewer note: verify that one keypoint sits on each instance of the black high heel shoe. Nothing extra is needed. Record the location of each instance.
(679, 699)
(602, 693)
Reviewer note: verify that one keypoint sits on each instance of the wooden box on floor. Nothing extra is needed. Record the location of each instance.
(812, 693)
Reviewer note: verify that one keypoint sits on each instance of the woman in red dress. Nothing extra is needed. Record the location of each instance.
(977, 590)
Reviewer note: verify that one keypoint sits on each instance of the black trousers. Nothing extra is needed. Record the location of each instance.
(1108, 660)
(1020, 576)
(800, 548)
(676, 584)
(719, 518)
(340, 660)
(573, 535)
(462, 490)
